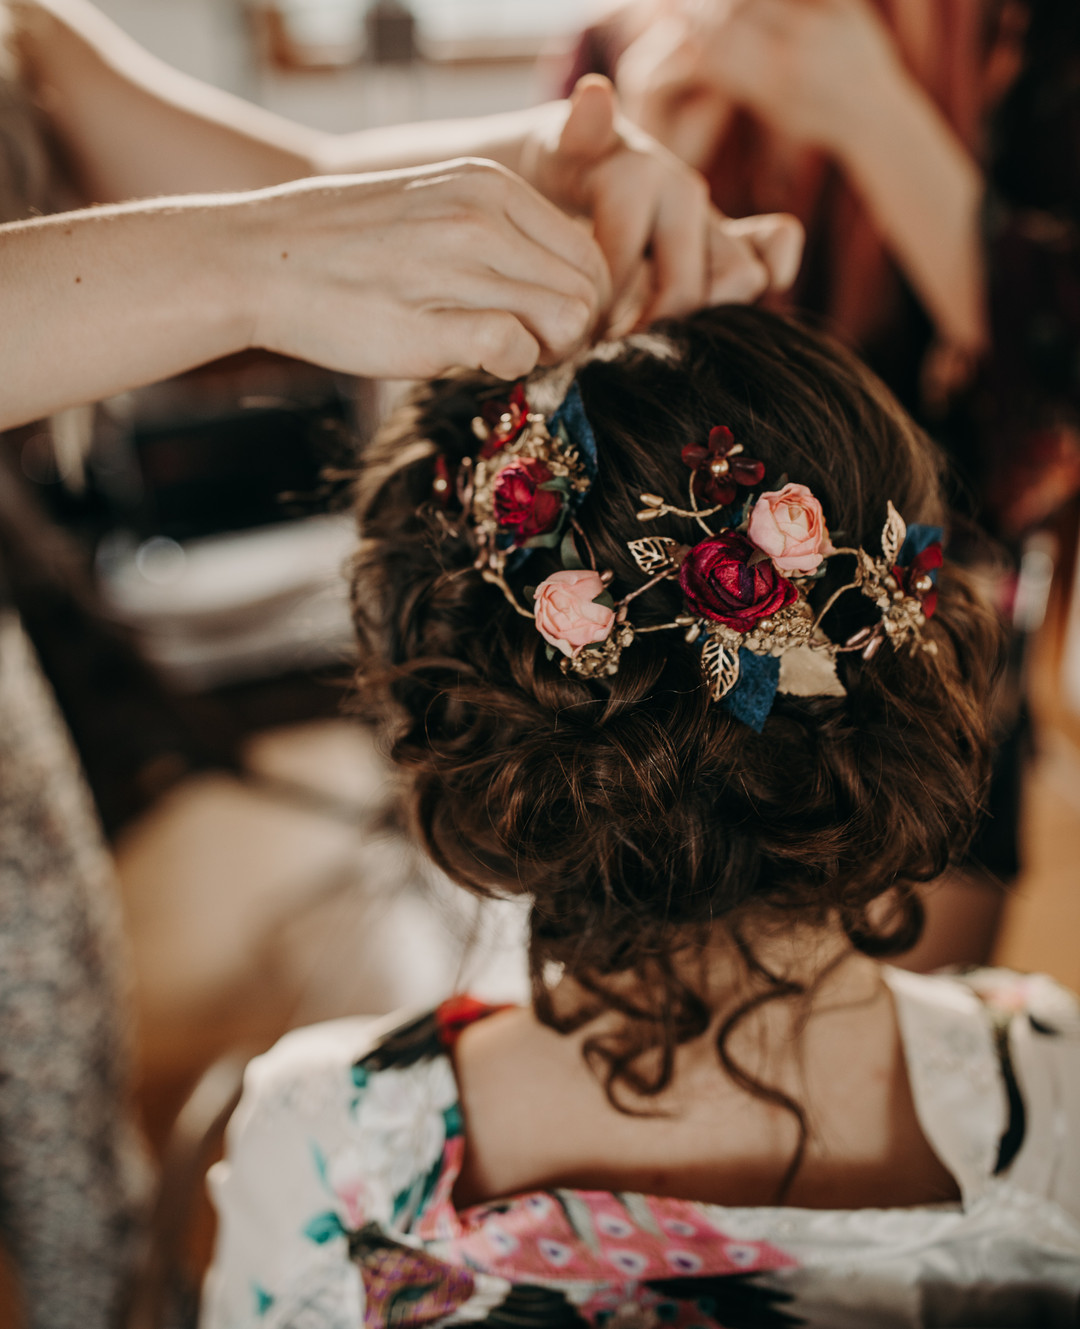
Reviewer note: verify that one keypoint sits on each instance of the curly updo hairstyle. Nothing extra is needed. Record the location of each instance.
(633, 812)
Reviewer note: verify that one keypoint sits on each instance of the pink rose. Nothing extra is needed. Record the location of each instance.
(566, 616)
(788, 525)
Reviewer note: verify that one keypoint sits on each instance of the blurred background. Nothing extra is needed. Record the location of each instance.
(181, 576)
(190, 608)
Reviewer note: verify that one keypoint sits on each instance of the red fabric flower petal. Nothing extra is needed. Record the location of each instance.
(721, 440)
(713, 490)
(521, 505)
(720, 490)
(506, 418)
(746, 471)
(695, 455)
(457, 1013)
(924, 562)
(719, 583)
(930, 558)
(443, 483)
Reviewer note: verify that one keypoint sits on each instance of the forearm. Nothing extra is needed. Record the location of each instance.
(99, 301)
(403, 274)
(134, 128)
(925, 192)
(505, 138)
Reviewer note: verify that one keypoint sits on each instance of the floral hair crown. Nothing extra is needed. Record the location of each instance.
(745, 585)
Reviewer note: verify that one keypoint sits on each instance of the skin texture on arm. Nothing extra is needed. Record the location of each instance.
(114, 106)
(110, 296)
(925, 191)
(402, 274)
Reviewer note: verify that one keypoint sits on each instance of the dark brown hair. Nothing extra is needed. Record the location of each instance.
(632, 811)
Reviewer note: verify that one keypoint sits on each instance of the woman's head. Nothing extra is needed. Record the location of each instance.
(634, 811)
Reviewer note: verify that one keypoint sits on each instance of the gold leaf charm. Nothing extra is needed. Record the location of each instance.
(653, 553)
(721, 665)
(892, 537)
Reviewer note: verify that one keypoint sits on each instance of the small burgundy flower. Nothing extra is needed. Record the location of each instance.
(719, 582)
(506, 418)
(521, 506)
(718, 467)
(915, 579)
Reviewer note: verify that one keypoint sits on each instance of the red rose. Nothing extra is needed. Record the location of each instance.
(521, 506)
(720, 584)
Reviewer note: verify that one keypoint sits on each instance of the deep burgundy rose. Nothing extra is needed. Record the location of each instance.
(720, 584)
(719, 466)
(521, 506)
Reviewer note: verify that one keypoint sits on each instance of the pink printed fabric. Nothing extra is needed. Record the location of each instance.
(593, 1237)
(337, 1203)
(541, 1260)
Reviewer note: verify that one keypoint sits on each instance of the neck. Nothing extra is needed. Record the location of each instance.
(764, 954)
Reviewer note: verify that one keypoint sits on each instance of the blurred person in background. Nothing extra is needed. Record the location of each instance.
(230, 244)
(932, 150)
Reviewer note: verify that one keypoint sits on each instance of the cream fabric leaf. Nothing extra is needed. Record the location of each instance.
(805, 672)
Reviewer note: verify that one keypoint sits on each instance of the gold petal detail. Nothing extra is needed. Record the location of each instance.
(805, 672)
(892, 537)
(653, 553)
(721, 665)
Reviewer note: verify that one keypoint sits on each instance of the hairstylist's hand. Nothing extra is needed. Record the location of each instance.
(407, 273)
(808, 68)
(652, 216)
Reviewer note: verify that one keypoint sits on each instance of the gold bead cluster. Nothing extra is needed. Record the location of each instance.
(791, 626)
(602, 660)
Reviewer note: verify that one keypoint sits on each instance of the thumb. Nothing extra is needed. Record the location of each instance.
(589, 131)
(778, 239)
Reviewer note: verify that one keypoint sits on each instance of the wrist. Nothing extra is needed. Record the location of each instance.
(252, 252)
(222, 288)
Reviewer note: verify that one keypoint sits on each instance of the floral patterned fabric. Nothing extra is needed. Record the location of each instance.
(335, 1199)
